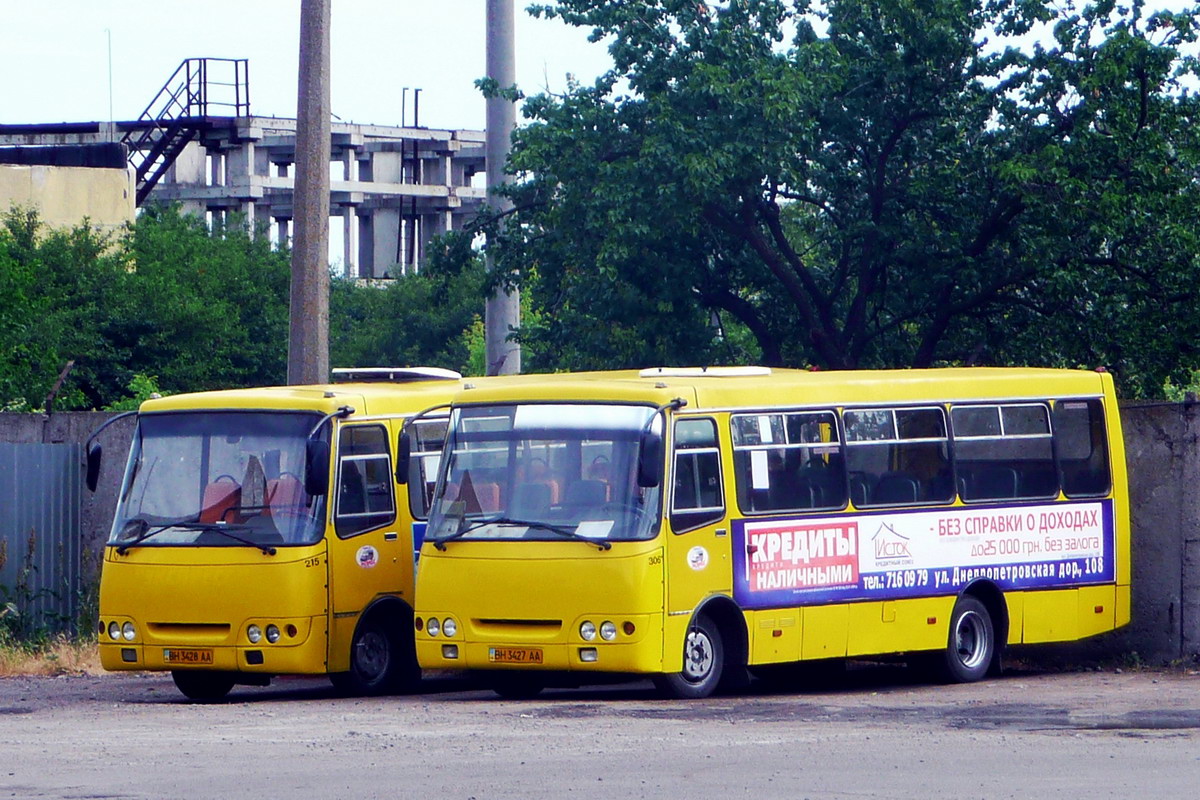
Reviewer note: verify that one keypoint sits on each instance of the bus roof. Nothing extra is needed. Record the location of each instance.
(757, 387)
(372, 397)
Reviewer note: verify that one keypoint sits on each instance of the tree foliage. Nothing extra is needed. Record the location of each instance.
(865, 183)
(175, 306)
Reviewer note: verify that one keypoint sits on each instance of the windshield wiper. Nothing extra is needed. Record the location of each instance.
(193, 525)
(464, 529)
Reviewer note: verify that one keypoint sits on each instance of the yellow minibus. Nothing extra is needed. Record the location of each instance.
(691, 524)
(261, 532)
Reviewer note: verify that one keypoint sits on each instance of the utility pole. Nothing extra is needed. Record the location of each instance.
(308, 339)
(503, 312)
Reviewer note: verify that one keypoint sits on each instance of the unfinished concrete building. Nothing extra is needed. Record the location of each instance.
(393, 188)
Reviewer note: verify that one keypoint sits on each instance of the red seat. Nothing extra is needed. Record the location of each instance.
(284, 495)
(219, 497)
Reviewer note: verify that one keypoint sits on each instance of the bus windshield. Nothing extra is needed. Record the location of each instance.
(225, 478)
(545, 472)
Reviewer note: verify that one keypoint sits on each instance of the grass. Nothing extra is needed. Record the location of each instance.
(59, 655)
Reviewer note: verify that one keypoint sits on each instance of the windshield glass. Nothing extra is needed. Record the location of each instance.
(544, 472)
(219, 479)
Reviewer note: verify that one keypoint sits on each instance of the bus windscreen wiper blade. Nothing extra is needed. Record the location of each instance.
(464, 529)
(192, 525)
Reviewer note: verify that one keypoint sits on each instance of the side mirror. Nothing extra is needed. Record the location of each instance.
(403, 456)
(94, 455)
(650, 460)
(316, 467)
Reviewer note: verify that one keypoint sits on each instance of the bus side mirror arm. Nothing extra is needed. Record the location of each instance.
(404, 443)
(650, 448)
(316, 455)
(95, 452)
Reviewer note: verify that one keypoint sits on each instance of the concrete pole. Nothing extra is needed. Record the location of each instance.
(503, 312)
(308, 340)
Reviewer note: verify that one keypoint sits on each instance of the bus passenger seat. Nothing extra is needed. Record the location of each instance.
(585, 493)
(993, 482)
(488, 496)
(895, 488)
(530, 501)
(219, 497)
(284, 495)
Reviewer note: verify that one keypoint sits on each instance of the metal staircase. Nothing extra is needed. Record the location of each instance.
(180, 111)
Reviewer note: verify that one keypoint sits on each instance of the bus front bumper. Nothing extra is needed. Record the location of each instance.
(641, 654)
(305, 654)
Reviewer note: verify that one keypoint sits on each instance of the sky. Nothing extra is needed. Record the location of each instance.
(54, 56)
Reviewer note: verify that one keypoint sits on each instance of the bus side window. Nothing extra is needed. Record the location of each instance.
(1003, 452)
(697, 498)
(898, 456)
(789, 461)
(364, 486)
(1082, 448)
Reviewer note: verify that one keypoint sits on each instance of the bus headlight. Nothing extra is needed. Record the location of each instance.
(254, 634)
(272, 634)
(587, 631)
(449, 627)
(128, 631)
(432, 626)
(114, 630)
(608, 631)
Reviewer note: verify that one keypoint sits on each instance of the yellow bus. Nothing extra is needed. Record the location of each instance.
(261, 532)
(689, 524)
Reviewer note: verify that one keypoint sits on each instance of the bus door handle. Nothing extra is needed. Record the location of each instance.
(391, 536)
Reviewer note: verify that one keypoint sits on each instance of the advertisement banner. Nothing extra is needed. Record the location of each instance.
(885, 555)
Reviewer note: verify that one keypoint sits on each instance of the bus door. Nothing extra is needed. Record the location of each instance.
(697, 545)
(370, 551)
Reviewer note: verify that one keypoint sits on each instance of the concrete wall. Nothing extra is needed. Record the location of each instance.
(63, 196)
(1164, 479)
(97, 511)
(1164, 484)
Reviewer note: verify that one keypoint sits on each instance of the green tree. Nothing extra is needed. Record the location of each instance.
(59, 286)
(420, 319)
(208, 306)
(864, 183)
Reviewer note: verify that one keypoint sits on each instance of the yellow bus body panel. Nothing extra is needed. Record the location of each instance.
(534, 594)
(540, 602)
(203, 598)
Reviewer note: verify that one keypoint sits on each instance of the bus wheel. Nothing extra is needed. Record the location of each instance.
(517, 686)
(375, 661)
(703, 663)
(203, 686)
(971, 644)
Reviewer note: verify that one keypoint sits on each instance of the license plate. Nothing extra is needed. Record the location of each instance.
(188, 656)
(515, 655)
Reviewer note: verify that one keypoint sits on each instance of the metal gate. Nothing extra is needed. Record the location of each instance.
(40, 495)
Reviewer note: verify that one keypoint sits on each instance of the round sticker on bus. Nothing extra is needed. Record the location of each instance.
(697, 558)
(367, 556)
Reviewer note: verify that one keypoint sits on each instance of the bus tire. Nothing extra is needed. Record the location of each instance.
(703, 663)
(378, 663)
(971, 644)
(203, 686)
